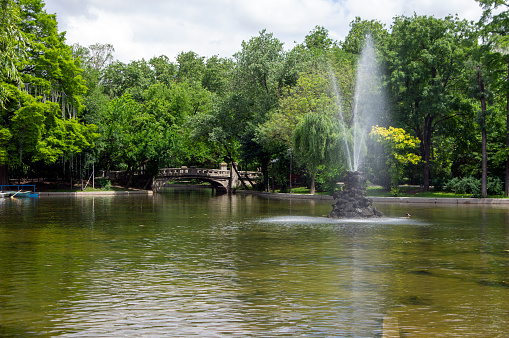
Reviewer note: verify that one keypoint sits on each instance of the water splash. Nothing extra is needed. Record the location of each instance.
(342, 123)
(369, 104)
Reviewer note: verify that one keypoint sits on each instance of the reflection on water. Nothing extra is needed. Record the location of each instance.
(190, 263)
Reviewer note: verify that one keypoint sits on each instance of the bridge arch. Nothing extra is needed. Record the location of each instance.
(222, 178)
(160, 182)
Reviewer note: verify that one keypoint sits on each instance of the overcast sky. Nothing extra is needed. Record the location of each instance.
(143, 29)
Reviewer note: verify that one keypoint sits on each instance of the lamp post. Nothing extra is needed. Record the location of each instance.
(272, 167)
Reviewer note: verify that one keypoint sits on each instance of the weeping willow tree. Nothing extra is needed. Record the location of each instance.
(12, 49)
(12, 46)
(41, 91)
(317, 145)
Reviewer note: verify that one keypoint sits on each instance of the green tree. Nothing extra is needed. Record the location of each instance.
(258, 73)
(191, 67)
(254, 88)
(318, 39)
(398, 147)
(494, 23)
(425, 57)
(93, 60)
(12, 49)
(312, 93)
(41, 115)
(359, 30)
(12, 46)
(155, 131)
(164, 69)
(133, 78)
(117, 129)
(174, 107)
(480, 91)
(216, 75)
(316, 139)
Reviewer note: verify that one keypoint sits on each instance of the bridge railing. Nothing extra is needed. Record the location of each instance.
(252, 175)
(192, 171)
(222, 176)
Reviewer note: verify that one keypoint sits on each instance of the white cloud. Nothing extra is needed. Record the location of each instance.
(210, 27)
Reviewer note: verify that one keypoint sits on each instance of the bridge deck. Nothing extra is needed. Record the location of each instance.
(212, 173)
(218, 177)
(175, 172)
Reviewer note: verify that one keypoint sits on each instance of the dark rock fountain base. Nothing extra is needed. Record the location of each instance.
(351, 202)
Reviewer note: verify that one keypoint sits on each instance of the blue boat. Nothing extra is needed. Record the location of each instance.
(20, 190)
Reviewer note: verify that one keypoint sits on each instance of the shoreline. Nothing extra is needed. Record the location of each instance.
(94, 193)
(399, 200)
(406, 200)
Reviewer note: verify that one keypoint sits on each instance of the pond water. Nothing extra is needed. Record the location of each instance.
(190, 263)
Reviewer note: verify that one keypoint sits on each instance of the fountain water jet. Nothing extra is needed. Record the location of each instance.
(369, 104)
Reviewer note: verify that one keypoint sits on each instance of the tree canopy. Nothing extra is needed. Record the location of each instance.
(445, 79)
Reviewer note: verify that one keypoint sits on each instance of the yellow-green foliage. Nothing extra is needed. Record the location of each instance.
(398, 143)
(398, 147)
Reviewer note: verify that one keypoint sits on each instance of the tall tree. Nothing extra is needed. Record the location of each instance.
(164, 69)
(258, 73)
(426, 58)
(256, 84)
(398, 147)
(484, 137)
(12, 46)
(93, 59)
(494, 25)
(318, 39)
(316, 139)
(216, 75)
(191, 67)
(42, 114)
(312, 93)
(12, 49)
(359, 29)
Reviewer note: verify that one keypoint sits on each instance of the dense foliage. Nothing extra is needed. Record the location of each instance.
(65, 108)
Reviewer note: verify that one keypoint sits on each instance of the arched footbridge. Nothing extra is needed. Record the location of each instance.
(222, 178)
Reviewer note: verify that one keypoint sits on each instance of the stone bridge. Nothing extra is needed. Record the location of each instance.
(222, 178)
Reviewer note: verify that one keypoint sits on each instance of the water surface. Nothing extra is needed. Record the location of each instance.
(190, 263)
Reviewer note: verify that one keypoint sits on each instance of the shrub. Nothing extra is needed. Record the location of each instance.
(465, 185)
(107, 186)
(439, 183)
(495, 186)
(472, 186)
(104, 183)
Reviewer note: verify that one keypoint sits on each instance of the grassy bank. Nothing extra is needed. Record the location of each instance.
(405, 191)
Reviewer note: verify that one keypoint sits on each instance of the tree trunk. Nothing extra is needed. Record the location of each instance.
(130, 178)
(131, 170)
(312, 189)
(150, 179)
(265, 172)
(4, 174)
(427, 131)
(484, 179)
(234, 167)
(507, 143)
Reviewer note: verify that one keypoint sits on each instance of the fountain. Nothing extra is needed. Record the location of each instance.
(351, 202)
